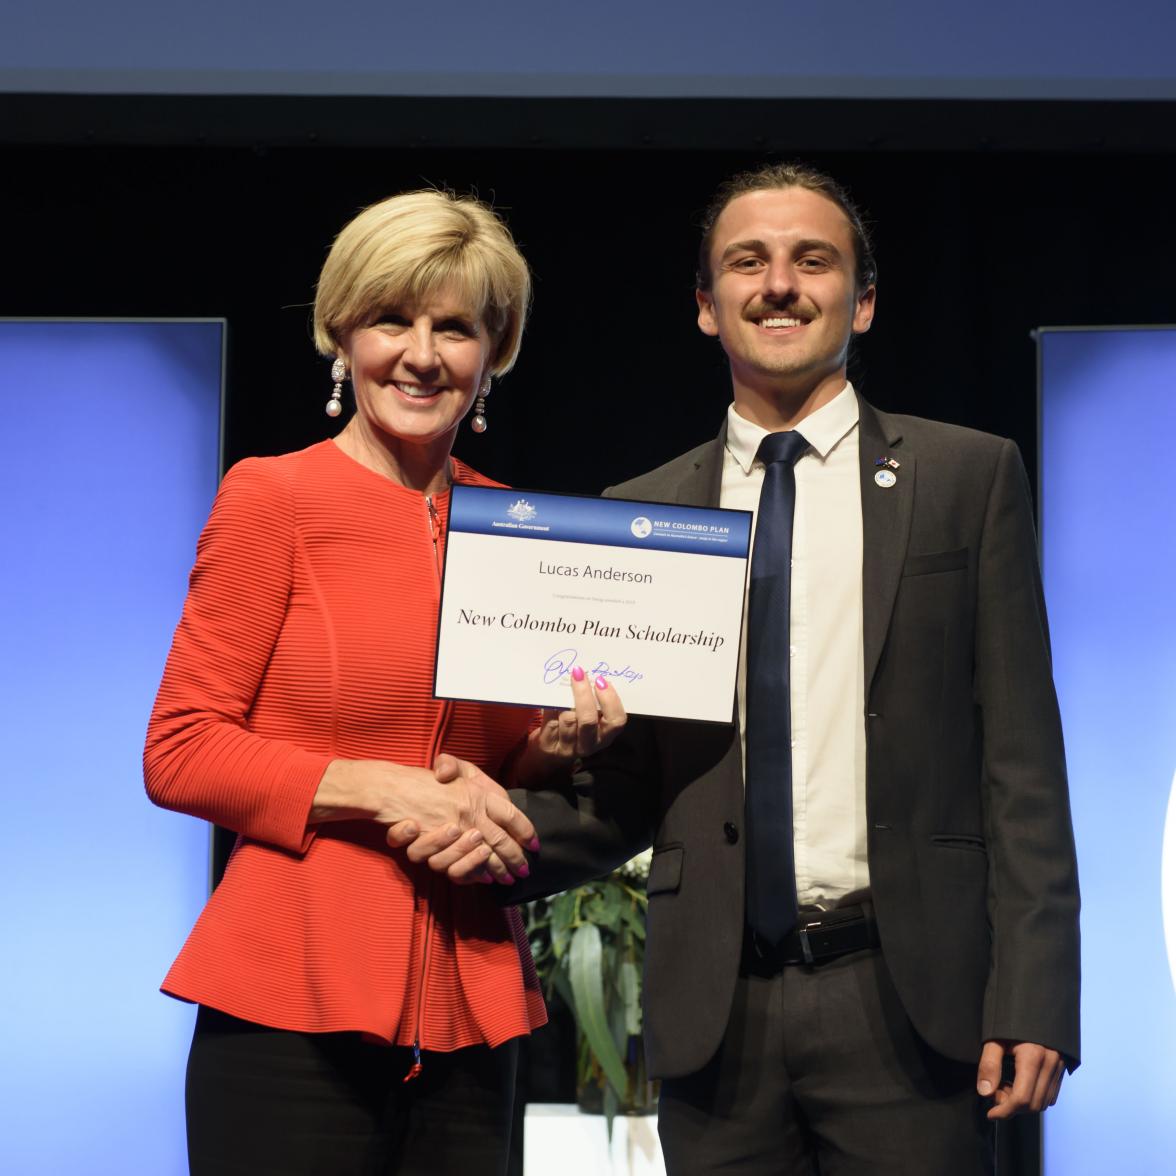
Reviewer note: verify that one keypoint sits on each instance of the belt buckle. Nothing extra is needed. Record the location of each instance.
(806, 950)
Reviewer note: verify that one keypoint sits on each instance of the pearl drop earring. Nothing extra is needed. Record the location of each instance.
(338, 374)
(478, 420)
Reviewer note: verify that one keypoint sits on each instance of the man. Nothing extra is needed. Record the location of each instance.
(837, 987)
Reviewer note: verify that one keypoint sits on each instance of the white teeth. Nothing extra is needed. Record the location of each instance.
(781, 322)
(416, 390)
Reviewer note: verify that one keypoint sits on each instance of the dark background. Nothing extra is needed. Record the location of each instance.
(990, 219)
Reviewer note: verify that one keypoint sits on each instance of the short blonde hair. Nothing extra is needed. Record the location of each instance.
(404, 249)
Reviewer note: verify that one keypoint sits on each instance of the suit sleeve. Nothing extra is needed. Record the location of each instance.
(201, 757)
(595, 821)
(1032, 991)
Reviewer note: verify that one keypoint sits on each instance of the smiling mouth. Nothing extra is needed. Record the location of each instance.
(417, 391)
(779, 321)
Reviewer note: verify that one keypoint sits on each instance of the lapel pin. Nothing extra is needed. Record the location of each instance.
(885, 476)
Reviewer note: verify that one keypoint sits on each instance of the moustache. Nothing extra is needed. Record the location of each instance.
(759, 310)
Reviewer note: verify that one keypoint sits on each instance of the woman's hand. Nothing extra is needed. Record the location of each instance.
(597, 717)
(595, 720)
(469, 855)
(409, 800)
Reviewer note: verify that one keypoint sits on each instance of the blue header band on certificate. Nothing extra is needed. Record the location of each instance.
(616, 522)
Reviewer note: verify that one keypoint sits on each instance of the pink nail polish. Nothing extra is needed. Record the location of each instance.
(523, 872)
(578, 674)
(601, 684)
(533, 845)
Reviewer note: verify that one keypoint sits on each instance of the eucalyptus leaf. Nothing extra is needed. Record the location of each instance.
(635, 920)
(595, 908)
(616, 1022)
(630, 976)
(611, 1106)
(563, 986)
(613, 904)
(560, 913)
(585, 972)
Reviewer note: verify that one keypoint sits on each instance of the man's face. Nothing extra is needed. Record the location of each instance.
(783, 299)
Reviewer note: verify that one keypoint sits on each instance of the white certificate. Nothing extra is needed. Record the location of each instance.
(648, 596)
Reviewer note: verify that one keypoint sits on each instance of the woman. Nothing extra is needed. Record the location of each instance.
(332, 965)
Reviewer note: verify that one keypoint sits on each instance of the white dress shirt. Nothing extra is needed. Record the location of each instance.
(827, 667)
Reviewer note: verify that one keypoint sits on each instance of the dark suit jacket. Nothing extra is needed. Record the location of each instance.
(971, 852)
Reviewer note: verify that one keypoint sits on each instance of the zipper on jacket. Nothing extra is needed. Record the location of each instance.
(435, 531)
(417, 1065)
(434, 747)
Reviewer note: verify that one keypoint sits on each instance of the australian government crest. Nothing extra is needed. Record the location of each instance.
(522, 511)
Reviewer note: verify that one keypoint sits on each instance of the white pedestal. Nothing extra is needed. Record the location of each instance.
(558, 1137)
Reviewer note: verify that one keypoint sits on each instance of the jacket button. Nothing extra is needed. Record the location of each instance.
(730, 832)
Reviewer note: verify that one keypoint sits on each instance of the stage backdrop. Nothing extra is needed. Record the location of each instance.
(109, 470)
(612, 48)
(1108, 422)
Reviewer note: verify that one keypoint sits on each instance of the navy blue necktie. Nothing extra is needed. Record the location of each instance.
(771, 872)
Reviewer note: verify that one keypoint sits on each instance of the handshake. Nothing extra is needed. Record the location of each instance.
(457, 818)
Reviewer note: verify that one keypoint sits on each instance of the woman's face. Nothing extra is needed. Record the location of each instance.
(417, 369)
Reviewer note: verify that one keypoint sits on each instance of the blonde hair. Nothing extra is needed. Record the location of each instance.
(406, 248)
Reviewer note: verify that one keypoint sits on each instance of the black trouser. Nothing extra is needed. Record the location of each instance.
(262, 1101)
(820, 1071)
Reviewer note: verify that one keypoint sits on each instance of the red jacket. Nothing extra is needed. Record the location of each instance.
(309, 634)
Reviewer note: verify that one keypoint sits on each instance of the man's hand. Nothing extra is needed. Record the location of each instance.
(472, 854)
(480, 854)
(1037, 1077)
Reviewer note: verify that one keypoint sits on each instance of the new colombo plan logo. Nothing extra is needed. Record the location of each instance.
(522, 511)
(641, 527)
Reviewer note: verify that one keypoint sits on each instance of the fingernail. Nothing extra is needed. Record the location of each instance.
(533, 845)
(985, 1088)
(508, 880)
(485, 879)
(601, 684)
(578, 674)
(524, 871)
(475, 837)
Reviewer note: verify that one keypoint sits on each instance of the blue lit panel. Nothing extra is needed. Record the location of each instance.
(1108, 403)
(110, 465)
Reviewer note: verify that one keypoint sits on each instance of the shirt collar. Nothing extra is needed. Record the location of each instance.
(822, 429)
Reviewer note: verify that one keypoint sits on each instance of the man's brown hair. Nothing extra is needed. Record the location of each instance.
(787, 175)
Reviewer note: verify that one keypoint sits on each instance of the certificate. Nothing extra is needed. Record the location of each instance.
(647, 596)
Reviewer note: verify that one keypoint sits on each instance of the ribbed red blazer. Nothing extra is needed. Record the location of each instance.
(309, 634)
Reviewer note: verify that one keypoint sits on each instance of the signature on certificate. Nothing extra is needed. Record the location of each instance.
(561, 663)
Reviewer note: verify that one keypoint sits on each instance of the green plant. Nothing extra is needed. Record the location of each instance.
(589, 947)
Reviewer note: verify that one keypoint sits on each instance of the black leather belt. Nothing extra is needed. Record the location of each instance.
(818, 936)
